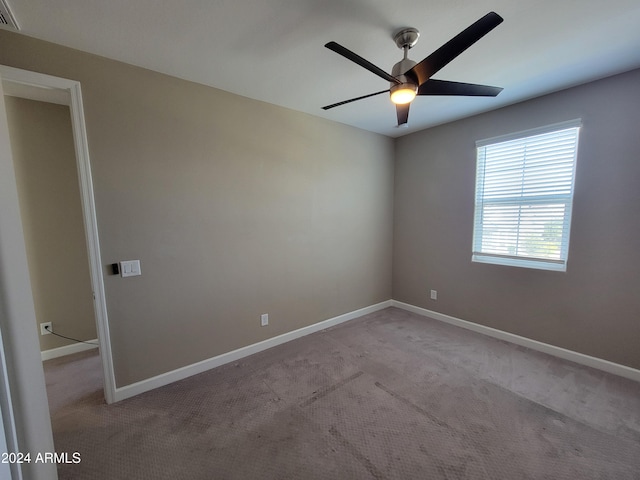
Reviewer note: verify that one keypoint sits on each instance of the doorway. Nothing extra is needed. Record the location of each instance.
(49, 197)
(53, 90)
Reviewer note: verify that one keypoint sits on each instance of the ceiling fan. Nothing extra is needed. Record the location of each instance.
(409, 78)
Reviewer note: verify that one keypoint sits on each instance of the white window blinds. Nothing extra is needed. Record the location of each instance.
(524, 194)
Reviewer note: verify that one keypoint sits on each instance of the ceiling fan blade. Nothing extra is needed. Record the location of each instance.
(354, 99)
(402, 111)
(354, 57)
(454, 47)
(445, 87)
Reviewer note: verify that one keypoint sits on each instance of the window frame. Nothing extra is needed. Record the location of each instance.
(566, 199)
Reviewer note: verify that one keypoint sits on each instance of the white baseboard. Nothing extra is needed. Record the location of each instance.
(67, 350)
(181, 373)
(589, 361)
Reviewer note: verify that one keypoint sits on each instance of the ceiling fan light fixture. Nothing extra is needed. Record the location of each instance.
(403, 93)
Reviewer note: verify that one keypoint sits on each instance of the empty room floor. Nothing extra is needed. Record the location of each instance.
(391, 395)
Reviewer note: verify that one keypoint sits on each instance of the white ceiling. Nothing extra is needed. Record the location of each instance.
(273, 50)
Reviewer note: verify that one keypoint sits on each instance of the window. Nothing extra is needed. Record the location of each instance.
(524, 194)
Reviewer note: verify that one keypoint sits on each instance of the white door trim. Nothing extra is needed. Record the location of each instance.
(39, 86)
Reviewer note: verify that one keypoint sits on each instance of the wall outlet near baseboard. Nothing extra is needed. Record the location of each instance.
(434, 294)
(43, 328)
(264, 319)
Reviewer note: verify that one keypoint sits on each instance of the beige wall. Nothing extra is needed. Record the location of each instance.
(593, 308)
(234, 207)
(45, 166)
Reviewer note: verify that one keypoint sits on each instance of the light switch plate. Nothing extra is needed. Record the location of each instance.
(130, 268)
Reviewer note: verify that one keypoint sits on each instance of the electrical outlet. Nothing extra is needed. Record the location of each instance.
(434, 294)
(264, 319)
(43, 328)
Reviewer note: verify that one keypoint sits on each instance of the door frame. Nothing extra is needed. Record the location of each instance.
(39, 86)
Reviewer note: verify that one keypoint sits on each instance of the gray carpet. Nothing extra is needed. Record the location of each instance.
(391, 395)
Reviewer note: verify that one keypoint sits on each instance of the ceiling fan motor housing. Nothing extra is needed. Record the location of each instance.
(407, 82)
